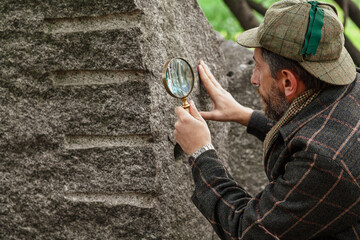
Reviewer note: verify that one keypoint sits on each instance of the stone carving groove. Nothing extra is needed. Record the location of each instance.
(97, 23)
(132, 199)
(86, 127)
(94, 77)
(86, 142)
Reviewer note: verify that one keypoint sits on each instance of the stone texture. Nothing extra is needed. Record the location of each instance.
(86, 127)
(69, 8)
(245, 151)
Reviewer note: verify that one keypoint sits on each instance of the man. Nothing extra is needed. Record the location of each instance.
(311, 134)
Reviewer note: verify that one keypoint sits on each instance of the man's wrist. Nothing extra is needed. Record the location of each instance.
(201, 150)
(245, 115)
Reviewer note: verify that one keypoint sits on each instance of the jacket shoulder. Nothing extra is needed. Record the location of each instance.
(334, 133)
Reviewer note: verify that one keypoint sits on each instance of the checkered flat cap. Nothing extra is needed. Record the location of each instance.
(308, 32)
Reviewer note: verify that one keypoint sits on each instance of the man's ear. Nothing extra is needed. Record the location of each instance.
(290, 84)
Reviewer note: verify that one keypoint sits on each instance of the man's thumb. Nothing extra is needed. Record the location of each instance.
(194, 112)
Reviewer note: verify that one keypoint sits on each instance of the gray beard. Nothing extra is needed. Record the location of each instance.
(276, 104)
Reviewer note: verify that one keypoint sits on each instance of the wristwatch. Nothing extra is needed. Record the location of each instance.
(193, 157)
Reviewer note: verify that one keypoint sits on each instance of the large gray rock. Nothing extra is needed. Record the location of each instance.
(245, 151)
(86, 127)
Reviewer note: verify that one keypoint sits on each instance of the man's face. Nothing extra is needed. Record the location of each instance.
(274, 100)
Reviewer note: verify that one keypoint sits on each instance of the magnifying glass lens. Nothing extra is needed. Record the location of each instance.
(179, 78)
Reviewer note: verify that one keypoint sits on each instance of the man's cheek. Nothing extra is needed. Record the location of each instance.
(260, 93)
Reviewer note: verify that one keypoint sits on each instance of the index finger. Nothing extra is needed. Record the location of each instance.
(210, 75)
(209, 85)
(181, 113)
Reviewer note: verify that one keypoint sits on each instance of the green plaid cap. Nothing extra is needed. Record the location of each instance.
(283, 32)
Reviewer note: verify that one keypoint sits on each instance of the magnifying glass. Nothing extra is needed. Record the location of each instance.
(178, 79)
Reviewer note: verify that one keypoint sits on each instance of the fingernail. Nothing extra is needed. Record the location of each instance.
(202, 62)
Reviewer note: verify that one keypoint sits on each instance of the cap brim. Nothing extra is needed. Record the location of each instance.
(338, 72)
(249, 38)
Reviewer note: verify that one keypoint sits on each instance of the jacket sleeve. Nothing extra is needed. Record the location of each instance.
(259, 125)
(314, 197)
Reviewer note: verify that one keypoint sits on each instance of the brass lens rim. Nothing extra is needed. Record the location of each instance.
(164, 77)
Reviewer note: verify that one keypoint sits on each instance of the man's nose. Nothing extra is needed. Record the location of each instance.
(255, 79)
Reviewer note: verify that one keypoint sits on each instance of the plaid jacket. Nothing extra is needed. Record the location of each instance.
(313, 170)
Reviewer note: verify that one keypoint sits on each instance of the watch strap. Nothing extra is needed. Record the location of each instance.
(196, 154)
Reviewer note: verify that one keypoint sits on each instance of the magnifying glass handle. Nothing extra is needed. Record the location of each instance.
(185, 105)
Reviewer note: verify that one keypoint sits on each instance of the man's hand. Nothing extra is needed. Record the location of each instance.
(191, 130)
(225, 107)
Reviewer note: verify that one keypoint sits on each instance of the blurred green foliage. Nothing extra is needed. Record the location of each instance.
(223, 21)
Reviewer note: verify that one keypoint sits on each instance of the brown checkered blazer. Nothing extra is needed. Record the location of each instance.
(314, 173)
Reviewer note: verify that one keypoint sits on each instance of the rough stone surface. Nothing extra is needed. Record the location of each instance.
(245, 159)
(86, 127)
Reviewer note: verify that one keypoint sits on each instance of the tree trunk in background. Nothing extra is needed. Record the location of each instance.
(354, 14)
(243, 13)
(257, 7)
(353, 51)
(345, 8)
(354, 11)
